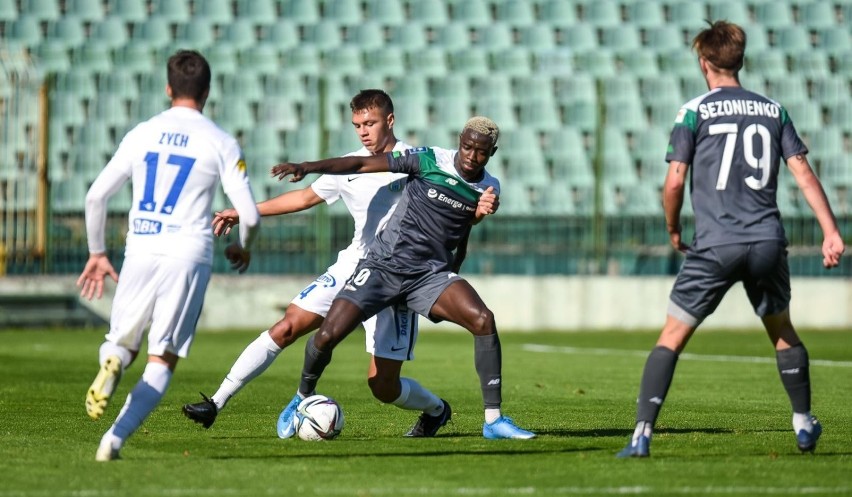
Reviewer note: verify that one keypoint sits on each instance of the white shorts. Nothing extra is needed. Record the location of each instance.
(390, 334)
(167, 294)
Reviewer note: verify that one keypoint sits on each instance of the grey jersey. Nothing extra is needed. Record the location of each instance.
(434, 213)
(734, 140)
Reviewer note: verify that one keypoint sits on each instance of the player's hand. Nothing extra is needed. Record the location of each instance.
(239, 257)
(676, 241)
(832, 249)
(296, 171)
(224, 220)
(488, 203)
(91, 281)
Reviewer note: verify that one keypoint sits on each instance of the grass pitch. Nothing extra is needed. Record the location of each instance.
(725, 428)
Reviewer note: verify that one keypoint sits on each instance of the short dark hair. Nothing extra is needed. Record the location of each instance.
(722, 44)
(188, 75)
(368, 99)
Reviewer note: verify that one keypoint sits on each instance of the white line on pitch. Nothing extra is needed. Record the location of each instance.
(533, 347)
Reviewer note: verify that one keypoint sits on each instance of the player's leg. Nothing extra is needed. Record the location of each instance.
(768, 287)
(179, 300)
(703, 280)
(131, 311)
(459, 303)
(390, 337)
(304, 315)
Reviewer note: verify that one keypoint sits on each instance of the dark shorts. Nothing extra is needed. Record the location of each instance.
(373, 287)
(706, 276)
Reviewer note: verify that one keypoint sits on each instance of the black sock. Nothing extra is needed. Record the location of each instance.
(656, 379)
(315, 363)
(489, 362)
(793, 367)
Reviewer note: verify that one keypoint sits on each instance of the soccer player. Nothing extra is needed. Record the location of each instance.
(733, 140)
(411, 258)
(390, 334)
(174, 161)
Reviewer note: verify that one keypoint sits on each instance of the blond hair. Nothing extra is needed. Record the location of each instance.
(483, 126)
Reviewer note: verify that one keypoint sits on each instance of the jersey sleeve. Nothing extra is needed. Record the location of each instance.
(110, 180)
(235, 182)
(682, 139)
(327, 187)
(406, 162)
(791, 143)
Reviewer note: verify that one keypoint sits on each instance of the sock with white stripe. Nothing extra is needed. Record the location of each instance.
(254, 360)
(414, 397)
(656, 380)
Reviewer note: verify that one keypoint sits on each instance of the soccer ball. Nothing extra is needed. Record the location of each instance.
(318, 418)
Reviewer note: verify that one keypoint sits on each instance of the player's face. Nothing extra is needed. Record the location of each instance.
(374, 130)
(474, 151)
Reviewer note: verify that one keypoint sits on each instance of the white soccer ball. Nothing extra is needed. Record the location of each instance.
(318, 418)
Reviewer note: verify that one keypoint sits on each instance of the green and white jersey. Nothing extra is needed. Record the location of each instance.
(734, 141)
(435, 211)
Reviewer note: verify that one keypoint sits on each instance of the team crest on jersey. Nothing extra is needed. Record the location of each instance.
(681, 114)
(416, 150)
(241, 165)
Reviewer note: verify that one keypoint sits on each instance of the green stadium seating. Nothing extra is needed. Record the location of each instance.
(455, 86)
(620, 38)
(581, 114)
(345, 12)
(580, 38)
(87, 10)
(770, 63)
(52, 56)
(627, 115)
(386, 12)
(369, 35)
(243, 85)
(643, 199)
(388, 61)
(42, 10)
(558, 13)
(793, 39)
(197, 34)
(300, 12)
(239, 34)
(453, 35)
(541, 114)
(617, 163)
(494, 37)
(787, 89)
(640, 62)
(831, 91)
(645, 14)
(837, 170)
(475, 13)
(110, 32)
(122, 84)
(441, 135)
(257, 12)
(137, 58)
(471, 62)
(78, 81)
(687, 14)
(8, 10)
(111, 109)
(24, 31)
(150, 104)
(806, 116)
(68, 31)
(817, 15)
(408, 37)
(154, 33)
(344, 60)
(175, 11)
(430, 62)
(278, 113)
(558, 61)
(515, 13)
(514, 61)
(602, 13)
(734, 11)
(324, 34)
(620, 88)
(302, 144)
(429, 12)
(132, 11)
(66, 108)
(840, 116)
(68, 194)
(410, 112)
(773, 15)
(834, 40)
(812, 64)
(214, 11)
(659, 88)
(600, 63)
(824, 143)
(499, 110)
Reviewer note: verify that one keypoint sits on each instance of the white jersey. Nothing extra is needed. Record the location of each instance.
(175, 161)
(371, 199)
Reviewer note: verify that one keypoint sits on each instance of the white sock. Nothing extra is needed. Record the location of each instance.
(492, 415)
(141, 401)
(803, 421)
(254, 360)
(643, 428)
(416, 398)
(108, 348)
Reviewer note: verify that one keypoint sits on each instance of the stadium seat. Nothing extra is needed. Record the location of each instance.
(645, 14)
(599, 63)
(300, 12)
(602, 13)
(568, 158)
(68, 194)
(515, 198)
(499, 110)
(51, 56)
(618, 165)
(388, 61)
(627, 115)
(840, 116)
(659, 87)
(369, 35)
(826, 142)
(558, 13)
(558, 61)
(197, 34)
(514, 61)
(112, 109)
(175, 11)
(693, 86)
(87, 10)
(243, 85)
(472, 61)
(430, 62)
(495, 37)
(302, 144)
(409, 37)
(154, 33)
(665, 38)
(234, 115)
(456, 86)
(575, 88)
(770, 63)
(8, 10)
(92, 56)
(831, 91)
(131, 11)
(688, 14)
(515, 13)
(834, 40)
(582, 115)
(406, 86)
(283, 34)
(806, 116)
(440, 135)
(303, 60)
(539, 114)
(579, 38)
(410, 112)
(343, 60)
(620, 38)
(792, 39)
(453, 35)
(787, 89)
(640, 62)
(734, 11)
(533, 87)
(149, 104)
(773, 15)
(429, 12)
(24, 31)
(41, 10)
(345, 12)
(68, 30)
(386, 12)
(66, 109)
(450, 112)
(817, 15)
(217, 12)
(278, 112)
(121, 84)
(239, 34)
(620, 88)
(110, 32)
(680, 62)
(837, 170)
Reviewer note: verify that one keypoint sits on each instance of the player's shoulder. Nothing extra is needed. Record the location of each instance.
(692, 105)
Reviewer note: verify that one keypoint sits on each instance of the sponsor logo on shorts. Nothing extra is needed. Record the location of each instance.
(397, 349)
(397, 186)
(146, 227)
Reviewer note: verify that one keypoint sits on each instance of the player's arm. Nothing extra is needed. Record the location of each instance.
(286, 203)
(338, 165)
(673, 191)
(809, 184)
(98, 267)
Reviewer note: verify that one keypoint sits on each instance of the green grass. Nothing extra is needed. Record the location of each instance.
(725, 429)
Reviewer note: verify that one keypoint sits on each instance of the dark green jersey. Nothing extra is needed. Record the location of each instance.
(734, 141)
(433, 215)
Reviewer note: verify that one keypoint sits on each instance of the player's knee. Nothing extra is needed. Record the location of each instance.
(383, 389)
(283, 333)
(483, 322)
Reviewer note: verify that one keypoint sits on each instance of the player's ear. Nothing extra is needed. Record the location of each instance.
(493, 150)
(390, 120)
(169, 91)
